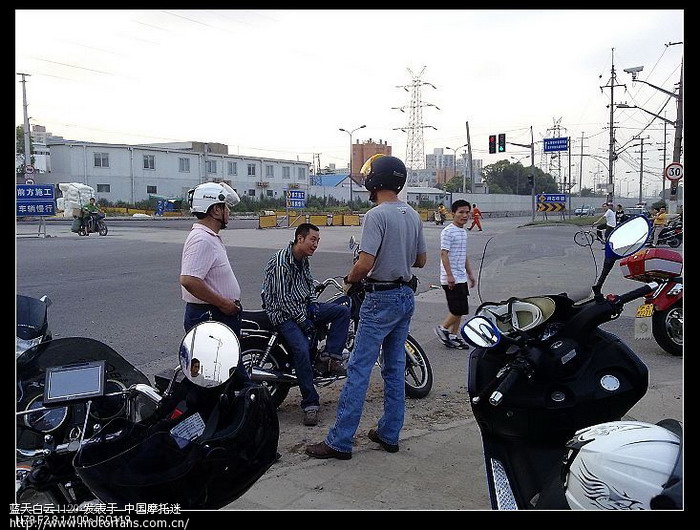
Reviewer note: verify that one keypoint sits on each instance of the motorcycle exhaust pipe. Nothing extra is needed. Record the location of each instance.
(260, 375)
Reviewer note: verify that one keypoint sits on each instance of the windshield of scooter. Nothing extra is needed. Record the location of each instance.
(536, 260)
(31, 317)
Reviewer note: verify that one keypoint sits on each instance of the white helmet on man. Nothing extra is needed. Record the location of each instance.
(619, 465)
(203, 196)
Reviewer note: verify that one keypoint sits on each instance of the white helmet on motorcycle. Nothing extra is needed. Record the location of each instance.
(619, 465)
(203, 196)
(528, 313)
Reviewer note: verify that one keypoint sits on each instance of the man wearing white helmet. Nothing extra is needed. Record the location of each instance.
(209, 286)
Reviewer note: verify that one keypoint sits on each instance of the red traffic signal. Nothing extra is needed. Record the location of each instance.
(492, 143)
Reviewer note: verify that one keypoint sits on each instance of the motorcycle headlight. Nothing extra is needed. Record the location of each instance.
(23, 345)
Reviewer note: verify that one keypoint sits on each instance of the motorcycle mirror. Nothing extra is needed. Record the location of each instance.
(480, 332)
(629, 237)
(209, 353)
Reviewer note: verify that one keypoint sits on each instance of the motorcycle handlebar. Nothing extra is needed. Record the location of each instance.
(497, 395)
(638, 293)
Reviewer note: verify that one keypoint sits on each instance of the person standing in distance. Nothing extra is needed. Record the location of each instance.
(606, 222)
(456, 276)
(476, 218)
(392, 242)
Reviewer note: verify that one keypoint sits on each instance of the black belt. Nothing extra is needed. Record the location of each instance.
(374, 286)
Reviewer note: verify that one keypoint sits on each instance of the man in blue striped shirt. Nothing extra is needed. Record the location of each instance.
(291, 303)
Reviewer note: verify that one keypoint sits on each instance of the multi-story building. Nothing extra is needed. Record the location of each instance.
(133, 173)
(362, 151)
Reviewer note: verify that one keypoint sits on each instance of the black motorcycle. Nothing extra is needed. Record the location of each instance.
(543, 368)
(671, 235)
(269, 359)
(91, 427)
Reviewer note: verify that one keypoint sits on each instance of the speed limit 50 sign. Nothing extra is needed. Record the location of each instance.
(674, 171)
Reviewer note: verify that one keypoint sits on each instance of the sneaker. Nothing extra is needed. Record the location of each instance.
(444, 336)
(460, 343)
(311, 417)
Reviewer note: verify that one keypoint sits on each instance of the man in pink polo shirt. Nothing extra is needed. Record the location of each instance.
(209, 286)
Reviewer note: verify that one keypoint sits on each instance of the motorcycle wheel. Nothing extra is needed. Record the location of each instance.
(667, 327)
(102, 228)
(419, 373)
(253, 348)
(674, 242)
(82, 232)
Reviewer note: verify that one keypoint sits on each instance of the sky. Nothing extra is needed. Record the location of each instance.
(281, 83)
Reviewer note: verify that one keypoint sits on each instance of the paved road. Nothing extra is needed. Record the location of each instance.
(122, 289)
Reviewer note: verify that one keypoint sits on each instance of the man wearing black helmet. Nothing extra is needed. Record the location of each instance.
(392, 243)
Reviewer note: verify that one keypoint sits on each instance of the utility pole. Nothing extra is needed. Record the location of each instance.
(531, 146)
(611, 149)
(471, 172)
(27, 143)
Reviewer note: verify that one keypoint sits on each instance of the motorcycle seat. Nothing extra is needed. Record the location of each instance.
(256, 319)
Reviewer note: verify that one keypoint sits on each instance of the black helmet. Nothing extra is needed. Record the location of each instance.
(383, 172)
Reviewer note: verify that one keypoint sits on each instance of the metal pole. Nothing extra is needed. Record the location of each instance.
(350, 166)
(471, 170)
(532, 165)
(27, 143)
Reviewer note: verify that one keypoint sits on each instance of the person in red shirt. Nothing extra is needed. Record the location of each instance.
(476, 217)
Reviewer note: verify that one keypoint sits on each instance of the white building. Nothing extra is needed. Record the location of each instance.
(133, 173)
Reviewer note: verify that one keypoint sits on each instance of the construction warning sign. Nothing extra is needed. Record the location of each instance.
(551, 207)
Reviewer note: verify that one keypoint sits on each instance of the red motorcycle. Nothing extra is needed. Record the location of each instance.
(661, 314)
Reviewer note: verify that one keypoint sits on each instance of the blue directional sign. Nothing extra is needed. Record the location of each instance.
(551, 197)
(296, 199)
(35, 200)
(556, 144)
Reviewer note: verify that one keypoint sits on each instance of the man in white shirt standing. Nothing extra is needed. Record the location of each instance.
(606, 222)
(456, 275)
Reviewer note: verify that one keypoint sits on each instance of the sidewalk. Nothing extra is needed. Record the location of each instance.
(440, 468)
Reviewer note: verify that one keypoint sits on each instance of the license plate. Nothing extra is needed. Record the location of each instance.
(645, 310)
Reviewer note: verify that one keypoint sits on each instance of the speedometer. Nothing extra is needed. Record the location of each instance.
(44, 420)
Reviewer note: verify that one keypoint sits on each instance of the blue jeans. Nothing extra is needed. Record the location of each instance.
(338, 316)
(385, 317)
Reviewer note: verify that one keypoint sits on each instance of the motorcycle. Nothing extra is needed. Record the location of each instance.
(93, 222)
(91, 428)
(32, 322)
(661, 313)
(543, 370)
(671, 235)
(439, 218)
(269, 360)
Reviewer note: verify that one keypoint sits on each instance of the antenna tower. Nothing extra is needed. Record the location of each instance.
(415, 146)
(552, 161)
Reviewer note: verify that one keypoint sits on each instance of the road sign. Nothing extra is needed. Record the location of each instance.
(551, 207)
(29, 181)
(556, 144)
(296, 199)
(35, 200)
(551, 197)
(674, 171)
(28, 170)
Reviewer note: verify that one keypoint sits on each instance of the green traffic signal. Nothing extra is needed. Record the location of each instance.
(502, 143)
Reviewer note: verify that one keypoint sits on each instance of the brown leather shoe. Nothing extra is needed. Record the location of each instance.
(321, 450)
(335, 367)
(389, 448)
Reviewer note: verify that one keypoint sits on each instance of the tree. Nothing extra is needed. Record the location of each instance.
(507, 178)
(455, 184)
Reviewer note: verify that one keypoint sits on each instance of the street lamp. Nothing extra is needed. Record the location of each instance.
(626, 106)
(350, 164)
(455, 152)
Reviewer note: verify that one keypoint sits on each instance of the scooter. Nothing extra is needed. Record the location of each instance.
(269, 359)
(543, 370)
(671, 235)
(661, 313)
(32, 322)
(91, 428)
(93, 222)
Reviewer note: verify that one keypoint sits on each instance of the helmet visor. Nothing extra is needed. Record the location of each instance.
(231, 197)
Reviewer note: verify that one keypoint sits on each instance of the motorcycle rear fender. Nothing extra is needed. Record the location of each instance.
(662, 299)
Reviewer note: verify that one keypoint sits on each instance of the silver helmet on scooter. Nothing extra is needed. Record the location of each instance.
(620, 465)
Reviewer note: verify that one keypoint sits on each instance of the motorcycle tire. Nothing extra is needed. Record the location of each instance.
(82, 232)
(419, 373)
(674, 242)
(253, 348)
(102, 229)
(667, 328)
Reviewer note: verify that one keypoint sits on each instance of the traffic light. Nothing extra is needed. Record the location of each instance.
(502, 143)
(492, 143)
(530, 180)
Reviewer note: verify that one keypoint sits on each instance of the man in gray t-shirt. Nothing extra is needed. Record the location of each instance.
(392, 243)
